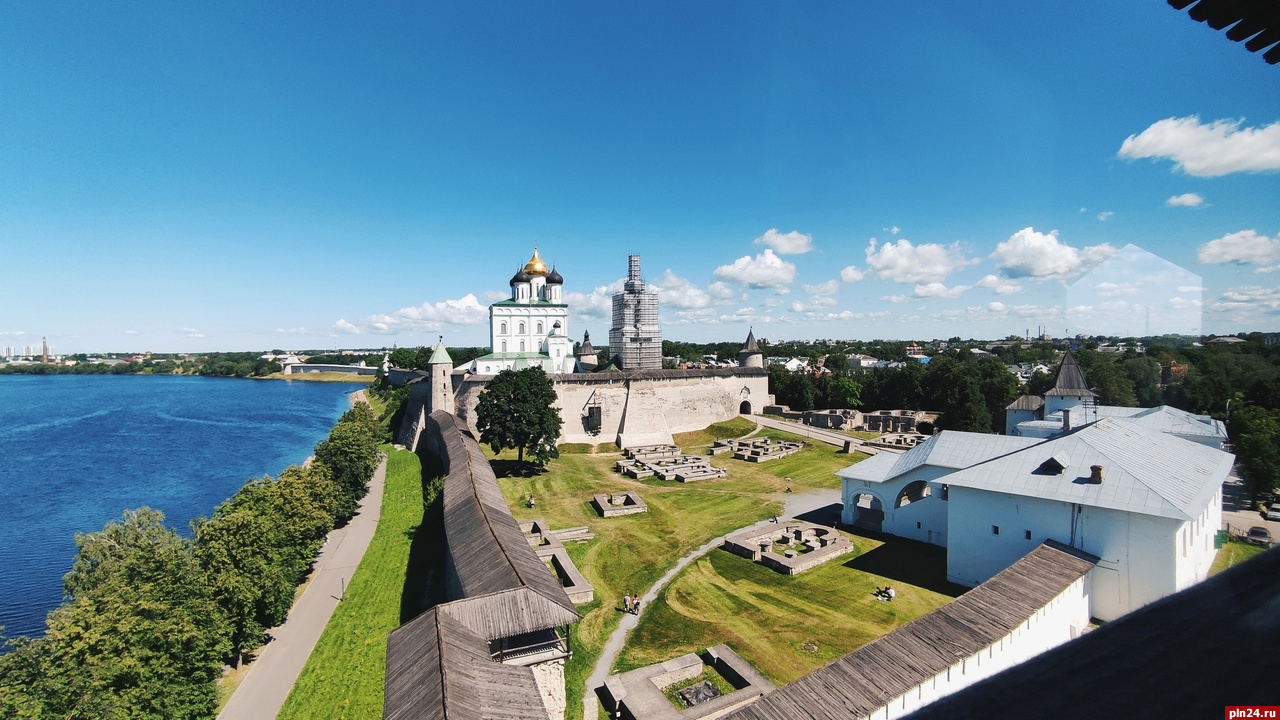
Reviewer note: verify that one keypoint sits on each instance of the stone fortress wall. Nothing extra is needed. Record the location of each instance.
(638, 407)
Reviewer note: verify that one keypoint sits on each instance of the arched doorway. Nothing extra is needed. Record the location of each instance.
(745, 407)
(913, 492)
(868, 512)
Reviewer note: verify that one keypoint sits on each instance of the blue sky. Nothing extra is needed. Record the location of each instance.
(183, 177)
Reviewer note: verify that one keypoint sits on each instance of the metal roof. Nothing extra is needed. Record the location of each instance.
(948, 449)
(440, 356)
(1145, 471)
(868, 678)
(1162, 418)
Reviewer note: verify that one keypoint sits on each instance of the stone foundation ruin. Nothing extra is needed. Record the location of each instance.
(615, 504)
(666, 462)
(790, 547)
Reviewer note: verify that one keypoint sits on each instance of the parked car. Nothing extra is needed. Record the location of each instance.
(1274, 512)
(1258, 535)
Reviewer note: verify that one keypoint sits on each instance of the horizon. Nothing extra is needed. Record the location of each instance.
(191, 180)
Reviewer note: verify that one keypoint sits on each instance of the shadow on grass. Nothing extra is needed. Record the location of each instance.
(424, 578)
(513, 468)
(906, 561)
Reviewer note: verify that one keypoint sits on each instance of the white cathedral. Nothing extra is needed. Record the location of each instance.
(531, 329)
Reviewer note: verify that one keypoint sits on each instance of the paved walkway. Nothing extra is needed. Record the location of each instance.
(795, 504)
(263, 691)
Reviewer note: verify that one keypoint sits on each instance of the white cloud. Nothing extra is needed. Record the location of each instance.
(343, 326)
(466, 310)
(293, 331)
(595, 305)
(723, 293)
(851, 274)
(1001, 286)
(1028, 253)
(765, 270)
(829, 287)
(997, 307)
(895, 298)
(1249, 297)
(903, 262)
(1246, 247)
(1105, 215)
(940, 290)
(1218, 148)
(191, 332)
(677, 292)
(126, 332)
(1185, 200)
(1111, 289)
(494, 295)
(792, 243)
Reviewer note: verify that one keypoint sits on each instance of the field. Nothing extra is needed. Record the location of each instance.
(343, 678)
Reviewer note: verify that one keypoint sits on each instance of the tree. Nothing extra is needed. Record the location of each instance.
(517, 411)
(138, 636)
(351, 455)
(1255, 437)
(843, 392)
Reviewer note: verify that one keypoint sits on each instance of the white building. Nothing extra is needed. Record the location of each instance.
(531, 328)
(1141, 491)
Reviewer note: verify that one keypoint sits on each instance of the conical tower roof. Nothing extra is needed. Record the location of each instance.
(585, 348)
(440, 356)
(750, 346)
(1070, 380)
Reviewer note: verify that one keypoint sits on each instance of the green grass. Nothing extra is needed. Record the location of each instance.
(711, 676)
(344, 676)
(631, 552)
(768, 617)
(1233, 552)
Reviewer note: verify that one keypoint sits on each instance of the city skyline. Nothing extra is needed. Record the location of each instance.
(185, 179)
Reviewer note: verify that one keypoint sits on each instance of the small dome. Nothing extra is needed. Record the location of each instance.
(554, 278)
(535, 266)
(521, 276)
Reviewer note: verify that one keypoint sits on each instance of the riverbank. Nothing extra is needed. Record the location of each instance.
(320, 377)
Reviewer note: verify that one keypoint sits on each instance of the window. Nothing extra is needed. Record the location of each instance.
(995, 529)
(504, 346)
(504, 329)
(1028, 534)
(539, 328)
(918, 526)
(521, 331)
(521, 346)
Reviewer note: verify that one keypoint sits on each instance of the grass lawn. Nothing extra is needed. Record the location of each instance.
(344, 676)
(1233, 553)
(631, 552)
(768, 617)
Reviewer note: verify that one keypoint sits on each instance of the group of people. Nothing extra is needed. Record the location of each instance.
(885, 593)
(631, 604)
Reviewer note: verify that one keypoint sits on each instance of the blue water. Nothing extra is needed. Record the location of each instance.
(78, 450)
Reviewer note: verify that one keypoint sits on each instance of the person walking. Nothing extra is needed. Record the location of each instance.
(626, 602)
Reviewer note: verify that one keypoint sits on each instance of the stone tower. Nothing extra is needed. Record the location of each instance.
(441, 366)
(635, 340)
(750, 355)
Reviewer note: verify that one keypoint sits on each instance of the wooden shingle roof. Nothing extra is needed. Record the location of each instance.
(438, 669)
(510, 591)
(869, 677)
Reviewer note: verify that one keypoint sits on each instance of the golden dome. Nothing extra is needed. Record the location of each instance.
(535, 265)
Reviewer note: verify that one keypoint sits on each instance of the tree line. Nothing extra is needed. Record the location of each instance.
(150, 617)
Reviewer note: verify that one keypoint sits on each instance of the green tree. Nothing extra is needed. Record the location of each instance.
(1255, 437)
(517, 410)
(1144, 373)
(137, 637)
(843, 392)
(351, 455)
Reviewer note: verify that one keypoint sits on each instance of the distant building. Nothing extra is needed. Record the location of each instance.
(531, 328)
(635, 340)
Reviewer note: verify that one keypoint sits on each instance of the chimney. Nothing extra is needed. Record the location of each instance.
(1095, 474)
(1066, 419)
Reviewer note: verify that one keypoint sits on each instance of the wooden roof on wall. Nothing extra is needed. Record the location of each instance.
(869, 677)
(510, 591)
